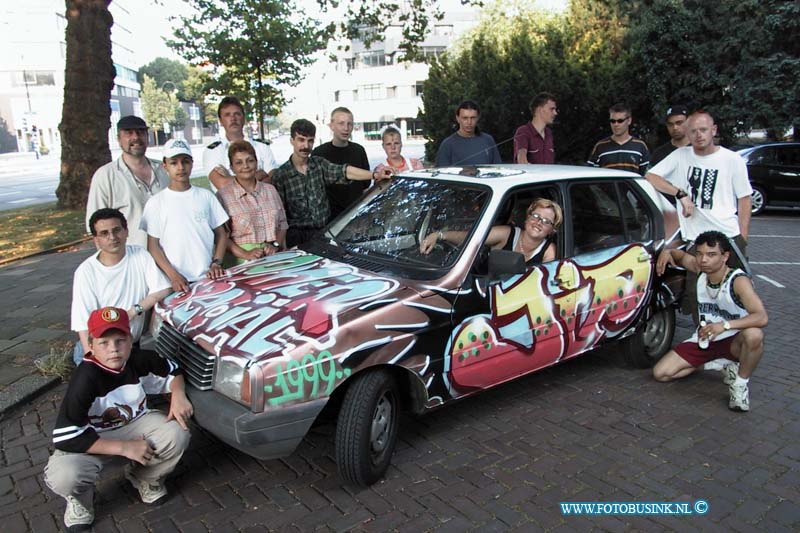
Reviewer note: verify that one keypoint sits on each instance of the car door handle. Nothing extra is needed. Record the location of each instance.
(558, 282)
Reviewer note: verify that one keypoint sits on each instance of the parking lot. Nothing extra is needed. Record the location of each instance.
(588, 430)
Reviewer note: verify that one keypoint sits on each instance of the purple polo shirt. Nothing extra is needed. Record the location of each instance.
(540, 151)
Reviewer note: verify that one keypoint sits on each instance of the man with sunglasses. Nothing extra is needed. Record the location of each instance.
(118, 275)
(621, 150)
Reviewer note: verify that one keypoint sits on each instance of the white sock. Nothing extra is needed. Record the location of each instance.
(740, 380)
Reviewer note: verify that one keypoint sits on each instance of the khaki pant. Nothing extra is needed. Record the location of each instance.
(75, 474)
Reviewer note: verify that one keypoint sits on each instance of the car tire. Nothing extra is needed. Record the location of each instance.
(652, 339)
(759, 200)
(367, 427)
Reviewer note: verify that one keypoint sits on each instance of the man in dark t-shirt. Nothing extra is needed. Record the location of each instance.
(676, 126)
(342, 151)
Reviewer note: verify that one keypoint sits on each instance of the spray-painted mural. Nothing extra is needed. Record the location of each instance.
(311, 323)
(535, 323)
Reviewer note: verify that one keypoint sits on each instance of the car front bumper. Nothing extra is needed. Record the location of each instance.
(266, 435)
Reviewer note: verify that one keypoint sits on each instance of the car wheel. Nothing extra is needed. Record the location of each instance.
(366, 430)
(759, 200)
(652, 339)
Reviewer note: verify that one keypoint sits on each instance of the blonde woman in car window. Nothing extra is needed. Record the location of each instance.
(534, 240)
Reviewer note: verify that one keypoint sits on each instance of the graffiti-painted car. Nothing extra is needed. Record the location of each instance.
(362, 322)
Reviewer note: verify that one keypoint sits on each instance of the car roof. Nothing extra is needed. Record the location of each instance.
(510, 174)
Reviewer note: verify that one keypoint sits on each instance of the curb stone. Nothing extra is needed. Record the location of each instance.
(24, 389)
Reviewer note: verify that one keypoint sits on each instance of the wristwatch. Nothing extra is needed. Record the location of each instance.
(680, 194)
(217, 262)
(138, 308)
(726, 325)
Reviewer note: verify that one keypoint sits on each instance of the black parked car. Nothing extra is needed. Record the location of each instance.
(774, 171)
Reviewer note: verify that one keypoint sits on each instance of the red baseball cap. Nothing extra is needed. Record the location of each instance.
(106, 318)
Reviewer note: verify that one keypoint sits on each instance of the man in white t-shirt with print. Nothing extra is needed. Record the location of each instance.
(185, 225)
(712, 186)
(118, 275)
(709, 181)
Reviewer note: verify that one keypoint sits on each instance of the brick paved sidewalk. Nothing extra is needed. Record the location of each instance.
(587, 430)
(35, 315)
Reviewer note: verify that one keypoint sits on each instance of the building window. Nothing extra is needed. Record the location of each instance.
(371, 92)
(418, 88)
(431, 52)
(391, 92)
(373, 58)
(336, 96)
(35, 77)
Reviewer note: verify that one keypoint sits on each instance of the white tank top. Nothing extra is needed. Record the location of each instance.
(718, 304)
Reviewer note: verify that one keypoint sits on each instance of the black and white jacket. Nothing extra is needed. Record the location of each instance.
(99, 398)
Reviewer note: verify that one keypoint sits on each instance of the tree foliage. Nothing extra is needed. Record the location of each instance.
(160, 107)
(738, 59)
(253, 46)
(513, 55)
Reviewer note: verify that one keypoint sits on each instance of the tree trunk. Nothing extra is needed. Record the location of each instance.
(86, 114)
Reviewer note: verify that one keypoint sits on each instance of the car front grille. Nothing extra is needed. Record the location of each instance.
(197, 364)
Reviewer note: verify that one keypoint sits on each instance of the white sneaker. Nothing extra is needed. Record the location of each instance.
(716, 364)
(729, 373)
(77, 517)
(740, 398)
(149, 491)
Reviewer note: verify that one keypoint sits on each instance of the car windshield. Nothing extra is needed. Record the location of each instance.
(389, 222)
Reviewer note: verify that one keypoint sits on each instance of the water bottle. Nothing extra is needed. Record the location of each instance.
(702, 342)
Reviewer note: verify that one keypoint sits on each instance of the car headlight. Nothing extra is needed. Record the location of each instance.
(156, 323)
(232, 379)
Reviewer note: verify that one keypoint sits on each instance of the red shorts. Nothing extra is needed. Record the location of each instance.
(696, 356)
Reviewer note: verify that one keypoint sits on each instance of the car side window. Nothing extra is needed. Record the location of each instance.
(638, 225)
(596, 219)
(789, 156)
(763, 156)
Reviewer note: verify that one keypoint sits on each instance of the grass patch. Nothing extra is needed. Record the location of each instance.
(201, 182)
(28, 230)
(58, 362)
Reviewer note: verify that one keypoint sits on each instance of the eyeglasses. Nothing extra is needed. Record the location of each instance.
(618, 120)
(106, 234)
(540, 218)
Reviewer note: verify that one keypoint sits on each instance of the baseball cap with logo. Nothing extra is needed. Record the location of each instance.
(131, 122)
(676, 110)
(106, 318)
(176, 147)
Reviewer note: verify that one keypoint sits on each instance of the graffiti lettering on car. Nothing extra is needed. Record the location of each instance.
(534, 323)
(318, 372)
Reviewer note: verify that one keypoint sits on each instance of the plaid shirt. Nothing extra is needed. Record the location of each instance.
(304, 195)
(255, 217)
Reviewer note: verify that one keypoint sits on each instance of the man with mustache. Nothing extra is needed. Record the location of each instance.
(215, 156)
(128, 182)
(301, 184)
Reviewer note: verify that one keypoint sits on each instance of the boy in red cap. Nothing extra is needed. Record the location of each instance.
(104, 414)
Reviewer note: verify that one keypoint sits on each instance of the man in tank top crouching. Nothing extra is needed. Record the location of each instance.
(732, 319)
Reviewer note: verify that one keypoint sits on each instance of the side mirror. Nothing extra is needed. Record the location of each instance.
(504, 263)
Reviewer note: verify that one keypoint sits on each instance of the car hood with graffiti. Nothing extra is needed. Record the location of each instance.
(266, 308)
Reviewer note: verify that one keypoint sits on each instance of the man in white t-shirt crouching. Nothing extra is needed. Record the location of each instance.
(118, 275)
